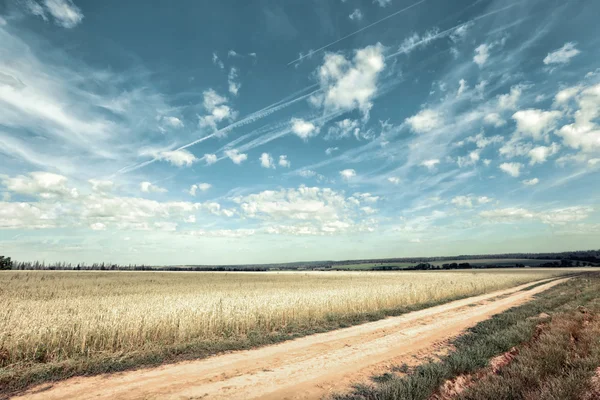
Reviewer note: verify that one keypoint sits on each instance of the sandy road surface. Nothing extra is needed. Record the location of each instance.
(305, 368)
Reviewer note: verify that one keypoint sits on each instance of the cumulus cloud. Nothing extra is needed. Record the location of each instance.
(470, 200)
(356, 15)
(558, 216)
(531, 182)
(494, 119)
(538, 155)
(40, 184)
(348, 174)
(309, 211)
(210, 158)
(562, 55)
(508, 101)
(482, 53)
(430, 164)
(304, 129)
(172, 122)
(584, 132)
(216, 106)
(425, 121)
(148, 187)
(266, 161)
(344, 128)
(102, 186)
(393, 180)
(536, 123)
(235, 156)
(284, 162)
(203, 187)
(512, 169)
(179, 158)
(349, 84)
(329, 151)
(566, 94)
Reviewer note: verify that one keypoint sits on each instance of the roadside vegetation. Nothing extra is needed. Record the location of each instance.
(56, 324)
(546, 349)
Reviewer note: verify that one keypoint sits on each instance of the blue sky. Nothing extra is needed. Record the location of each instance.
(263, 131)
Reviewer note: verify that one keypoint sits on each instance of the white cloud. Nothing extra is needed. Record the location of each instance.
(284, 162)
(584, 133)
(469, 201)
(101, 186)
(566, 94)
(200, 186)
(232, 53)
(210, 158)
(382, 3)
(343, 129)
(329, 151)
(536, 123)
(470, 159)
(483, 141)
(494, 119)
(266, 161)
(172, 121)
(304, 129)
(415, 40)
(559, 216)
(509, 100)
(235, 156)
(348, 174)
(430, 164)
(539, 154)
(531, 182)
(425, 121)
(64, 12)
(512, 169)
(482, 53)
(179, 158)
(217, 108)
(462, 86)
(349, 84)
(98, 226)
(393, 180)
(562, 55)
(40, 184)
(356, 15)
(234, 86)
(307, 173)
(148, 187)
(217, 61)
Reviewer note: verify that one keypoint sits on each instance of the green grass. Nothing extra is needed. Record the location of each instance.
(493, 337)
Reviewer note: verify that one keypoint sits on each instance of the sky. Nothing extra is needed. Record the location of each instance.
(228, 132)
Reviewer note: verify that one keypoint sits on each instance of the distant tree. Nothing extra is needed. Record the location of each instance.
(5, 263)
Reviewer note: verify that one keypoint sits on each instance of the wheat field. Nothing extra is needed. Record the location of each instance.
(52, 316)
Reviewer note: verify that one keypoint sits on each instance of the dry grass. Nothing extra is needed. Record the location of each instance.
(55, 316)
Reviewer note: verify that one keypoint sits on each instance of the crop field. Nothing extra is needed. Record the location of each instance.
(83, 322)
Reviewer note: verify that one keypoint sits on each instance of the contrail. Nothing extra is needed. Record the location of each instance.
(358, 31)
(264, 112)
(447, 31)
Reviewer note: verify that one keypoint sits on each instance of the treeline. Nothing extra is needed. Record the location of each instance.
(450, 266)
(6, 263)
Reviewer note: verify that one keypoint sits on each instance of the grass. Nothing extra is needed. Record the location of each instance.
(562, 359)
(59, 324)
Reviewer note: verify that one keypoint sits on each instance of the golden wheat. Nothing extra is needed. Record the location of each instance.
(53, 316)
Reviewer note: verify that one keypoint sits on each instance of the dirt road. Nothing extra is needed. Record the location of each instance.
(305, 368)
